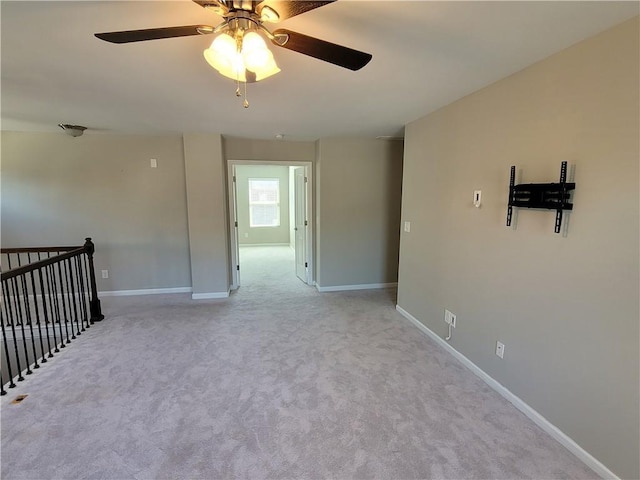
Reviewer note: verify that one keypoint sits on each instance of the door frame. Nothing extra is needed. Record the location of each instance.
(234, 243)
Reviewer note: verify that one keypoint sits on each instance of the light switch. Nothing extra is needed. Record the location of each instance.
(154, 163)
(477, 198)
(407, 226)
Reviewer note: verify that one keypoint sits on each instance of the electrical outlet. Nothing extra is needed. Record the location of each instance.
(500, 349)
(407, 227)
(105, 273)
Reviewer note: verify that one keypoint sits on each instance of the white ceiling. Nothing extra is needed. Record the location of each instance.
(425, 55)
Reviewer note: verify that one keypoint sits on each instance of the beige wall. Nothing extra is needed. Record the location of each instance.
(357, 187)
(262, 235)
(167, 227)
(359, 184)
(567, 308)
(236, 148)
(57, 190)
(207, 208)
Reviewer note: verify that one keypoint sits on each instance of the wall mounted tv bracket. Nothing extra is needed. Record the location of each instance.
(550, 196)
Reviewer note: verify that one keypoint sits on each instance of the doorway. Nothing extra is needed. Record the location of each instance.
(270, 207)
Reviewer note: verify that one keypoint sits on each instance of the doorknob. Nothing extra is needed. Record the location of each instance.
(296, 229)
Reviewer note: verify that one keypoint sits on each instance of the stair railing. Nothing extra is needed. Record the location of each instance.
(49, 297)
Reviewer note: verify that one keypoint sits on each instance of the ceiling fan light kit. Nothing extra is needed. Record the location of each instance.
(239, 51)
(240, 57)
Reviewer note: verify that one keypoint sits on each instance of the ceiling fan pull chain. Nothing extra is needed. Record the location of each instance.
(245, 104)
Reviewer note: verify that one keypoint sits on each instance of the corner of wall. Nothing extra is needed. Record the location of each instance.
(205, 179)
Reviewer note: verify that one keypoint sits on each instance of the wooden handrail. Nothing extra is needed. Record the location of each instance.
(36, 249)
(88, 248)
(15, 272)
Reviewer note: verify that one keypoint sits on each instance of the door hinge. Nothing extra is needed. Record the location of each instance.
(306, 265)
(236, 223)
(234, 179)
(306, 179)
(306, 223)
(238, 267)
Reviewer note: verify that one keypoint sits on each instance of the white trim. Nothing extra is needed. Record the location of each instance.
(264, 245)
(344, 288)
(144, 291)
(588, 459)
(234, 241)
(210, 295)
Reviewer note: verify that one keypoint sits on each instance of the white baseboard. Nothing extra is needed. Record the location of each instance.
(588, 459)
(367, 286)
(209, 296)
(160, 291)
(144, 291)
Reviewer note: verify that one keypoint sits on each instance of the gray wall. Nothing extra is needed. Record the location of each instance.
(565, 307)
(207, 202)
(236, 148)
(167, 227)
(57, 190)
(262, 235)
(358, 219)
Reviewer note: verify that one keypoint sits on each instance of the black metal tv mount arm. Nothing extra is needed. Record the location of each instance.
(550, 196)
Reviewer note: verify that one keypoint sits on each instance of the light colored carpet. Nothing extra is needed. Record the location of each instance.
(278, 381)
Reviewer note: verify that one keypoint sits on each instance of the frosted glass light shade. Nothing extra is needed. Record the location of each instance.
(254, 51)
(255, 57)
(223, 56)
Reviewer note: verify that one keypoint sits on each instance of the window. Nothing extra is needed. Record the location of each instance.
(264, 202)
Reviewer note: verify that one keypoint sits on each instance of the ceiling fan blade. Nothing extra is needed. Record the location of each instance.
(316, 48)
(288, 9)
(129, 36)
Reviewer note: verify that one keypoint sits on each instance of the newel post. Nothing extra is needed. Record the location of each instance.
(94, 303)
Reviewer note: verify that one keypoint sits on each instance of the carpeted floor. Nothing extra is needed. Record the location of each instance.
(278, 381)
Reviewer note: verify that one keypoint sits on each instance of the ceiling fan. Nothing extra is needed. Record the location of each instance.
(239, 52)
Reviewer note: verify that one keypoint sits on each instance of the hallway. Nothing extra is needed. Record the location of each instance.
(270, 266)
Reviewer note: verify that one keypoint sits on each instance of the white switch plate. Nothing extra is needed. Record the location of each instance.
(105, 273)
(407, 226)
(500, 349)
(154, 163)
(477, 198)
(450, 318)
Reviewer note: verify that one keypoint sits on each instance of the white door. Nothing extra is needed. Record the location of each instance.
(300, 202)
(236, 238)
